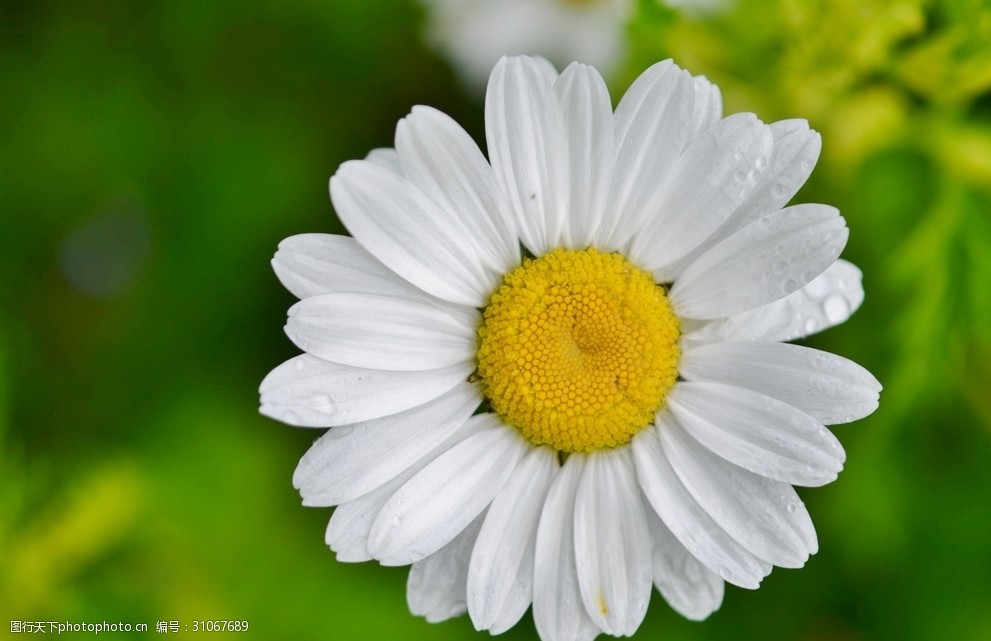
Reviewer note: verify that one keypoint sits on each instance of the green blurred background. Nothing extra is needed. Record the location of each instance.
(152, 155)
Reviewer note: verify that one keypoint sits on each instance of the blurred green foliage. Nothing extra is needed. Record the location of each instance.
(152, 156)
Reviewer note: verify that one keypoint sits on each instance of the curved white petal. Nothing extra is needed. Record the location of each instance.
(558, 611)
(761, 263)
(708, 109)
(796, 149)
(612, 543)
(765, 516)
(352, 460)
(406, 230)
(588, 125)
(442, 160)
(693, 590)
(528, 150)
(386, 157)
(686, 519)
(651, 129)
(314, 264)
(828, 300)
(310, 392)
(442, 499)
(500, 576)
(351, 524)
(713, 176)
(829, 388)
(758, 433)
(378, 332)
(435, 587)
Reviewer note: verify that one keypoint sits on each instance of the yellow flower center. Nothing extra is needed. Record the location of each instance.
(578, 349)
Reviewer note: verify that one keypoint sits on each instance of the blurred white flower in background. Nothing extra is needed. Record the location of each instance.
(474, 34)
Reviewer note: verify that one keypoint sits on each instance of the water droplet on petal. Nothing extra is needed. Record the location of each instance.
(760, 163)
(737, 155)
(792, 507)
(836, 308)
(807, 165)
(739, 176)
(779, 267)
(789, 285)
(811, 325)
(764, 221)
(300, 365)
(779, 191)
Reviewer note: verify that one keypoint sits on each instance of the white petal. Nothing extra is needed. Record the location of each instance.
(796, 149)
(442, 499)
(558, 611)
(612, 543)
(693, 590)
(314, 264)
(435, 588)
(830, 388)
(651, 130)
(378, 332)
(351, 523)
(708, 109)
(441, 159)
(830, 299)
(765, 516)
(761, 263)
(405, 230)
(588, 123)
(310, 392)
(686, 519)
(500, 577)
(386, 157)
(713, 176)
(351, 460)
(758, 433)
(528, 150)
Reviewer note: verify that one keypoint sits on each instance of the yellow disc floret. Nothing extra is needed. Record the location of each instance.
(578, 349)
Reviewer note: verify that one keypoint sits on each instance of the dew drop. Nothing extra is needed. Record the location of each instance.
(739, 176)
(779, 267)
(836, 308)
(779, 191)
(320, 399)
(807, 165)
(300, 365)
(737, 155)
(811, 325)
(760, 163)
(789, 285)
(764, 221)
(792, 507)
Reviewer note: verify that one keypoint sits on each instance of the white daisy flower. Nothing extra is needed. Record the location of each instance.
(474, 34)
(642, 421)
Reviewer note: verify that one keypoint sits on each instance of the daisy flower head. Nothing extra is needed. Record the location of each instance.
(474, 34)
(558, 376)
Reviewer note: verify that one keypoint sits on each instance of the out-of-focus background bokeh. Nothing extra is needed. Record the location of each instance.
(152, 155)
